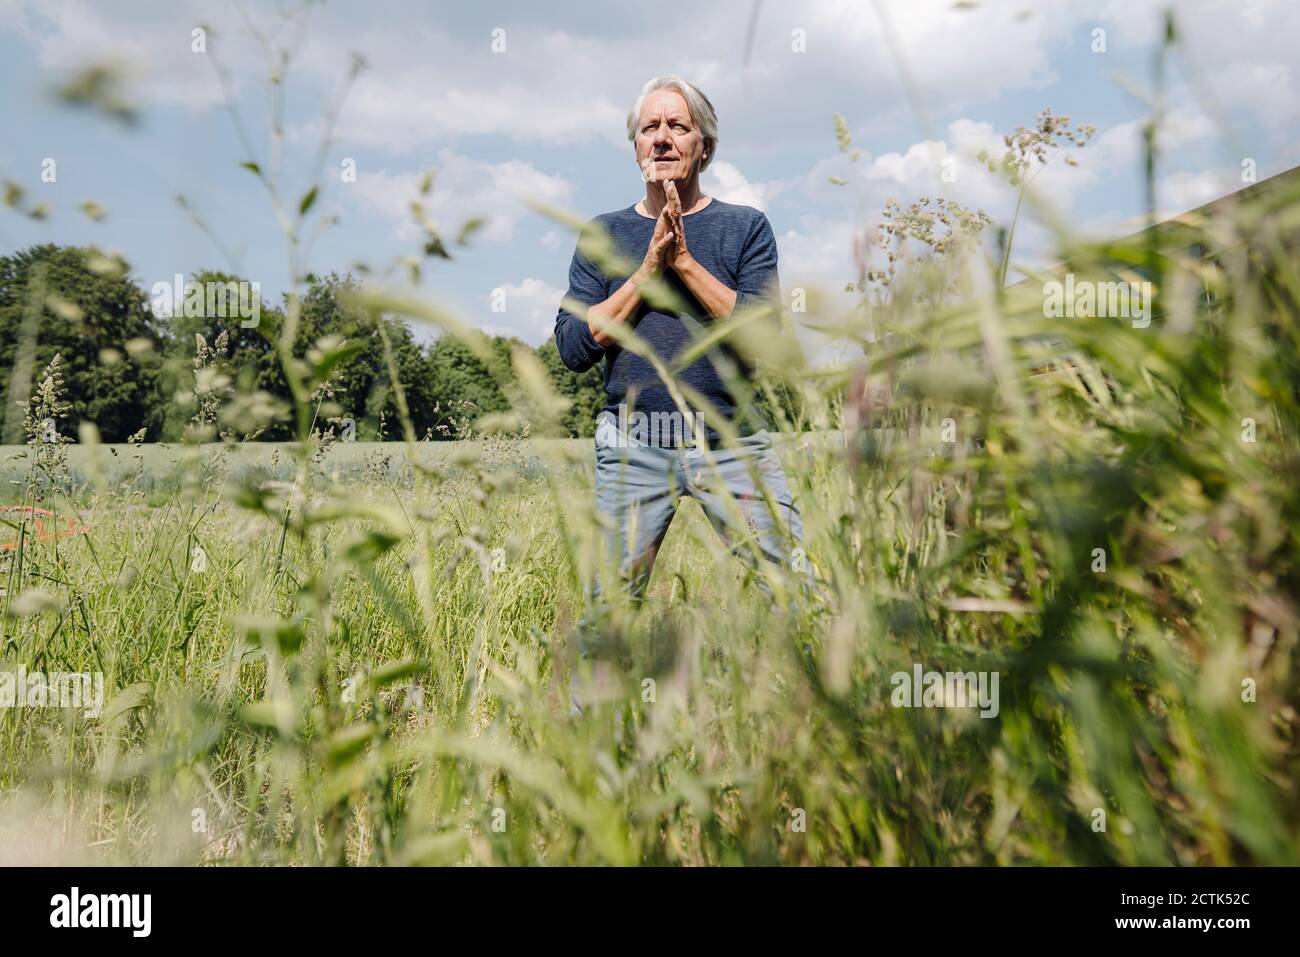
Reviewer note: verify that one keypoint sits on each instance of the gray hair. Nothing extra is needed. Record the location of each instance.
(702, 111)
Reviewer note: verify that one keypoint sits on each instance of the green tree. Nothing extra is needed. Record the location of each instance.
(362, 386)
(84, 306)
(586, 390)
(462, 384)
(250, 355)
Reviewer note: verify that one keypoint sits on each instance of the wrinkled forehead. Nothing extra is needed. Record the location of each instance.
(665, 104)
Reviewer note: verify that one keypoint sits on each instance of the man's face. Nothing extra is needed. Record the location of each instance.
(668, 146)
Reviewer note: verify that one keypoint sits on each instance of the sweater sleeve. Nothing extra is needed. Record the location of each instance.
(758, 277)
(578, 348)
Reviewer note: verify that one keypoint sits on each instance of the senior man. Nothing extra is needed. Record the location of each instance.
(716, 257)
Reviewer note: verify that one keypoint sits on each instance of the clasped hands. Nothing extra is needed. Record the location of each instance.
(668, 244)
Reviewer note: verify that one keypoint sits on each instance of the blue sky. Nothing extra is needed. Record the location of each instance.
(546, 117)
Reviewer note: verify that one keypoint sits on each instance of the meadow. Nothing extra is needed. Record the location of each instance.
(361, 654)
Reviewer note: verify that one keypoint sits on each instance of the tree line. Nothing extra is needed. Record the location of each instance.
(144, 376)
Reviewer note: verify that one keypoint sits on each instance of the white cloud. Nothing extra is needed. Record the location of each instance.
(726, 182)
(151, 48)
(1057, 188)
(573, 84)
(1179, 192)
(435, 77)
(424, 83)
(463, 189)
(530, 308)
(819, 252)
(399, 113)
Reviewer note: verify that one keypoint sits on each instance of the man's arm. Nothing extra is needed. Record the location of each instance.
(579, 349)
(716, 298)
(708, 290)
(758, 278)
(757, 273)
(620, 307)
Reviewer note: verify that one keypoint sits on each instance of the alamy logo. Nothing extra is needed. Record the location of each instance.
(209, 300)
(1085, 299)
(946, 689)
(58, 689)
(103, 910)
(660, 430)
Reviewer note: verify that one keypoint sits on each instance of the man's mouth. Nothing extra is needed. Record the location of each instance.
(665, 159)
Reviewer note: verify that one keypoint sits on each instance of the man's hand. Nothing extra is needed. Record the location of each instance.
(717, 299)
(678, 256)
(668, 244)
(661, 246)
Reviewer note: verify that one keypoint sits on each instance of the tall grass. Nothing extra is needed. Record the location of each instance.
(374, 668)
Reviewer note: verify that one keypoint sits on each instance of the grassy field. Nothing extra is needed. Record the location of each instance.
(203, 708)
(160, 468)
(373, 668)
(334, 653)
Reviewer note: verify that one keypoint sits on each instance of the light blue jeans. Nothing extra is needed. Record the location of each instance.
(741, 488)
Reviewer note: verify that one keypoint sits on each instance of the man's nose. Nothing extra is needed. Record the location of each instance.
(663, 136)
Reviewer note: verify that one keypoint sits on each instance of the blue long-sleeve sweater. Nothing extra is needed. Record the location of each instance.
(734, 243)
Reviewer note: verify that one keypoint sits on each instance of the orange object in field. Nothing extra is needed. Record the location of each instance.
(43, 525)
